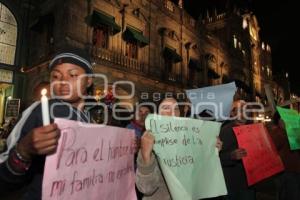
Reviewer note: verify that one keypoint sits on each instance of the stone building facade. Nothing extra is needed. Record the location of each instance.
(155, 44)
(238, 52)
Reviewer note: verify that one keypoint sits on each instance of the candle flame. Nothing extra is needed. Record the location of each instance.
(44, 91)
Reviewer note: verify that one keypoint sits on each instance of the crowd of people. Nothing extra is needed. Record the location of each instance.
(22, 164)
(5, 130)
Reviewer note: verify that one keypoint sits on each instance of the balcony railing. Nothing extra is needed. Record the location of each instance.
(118, 60)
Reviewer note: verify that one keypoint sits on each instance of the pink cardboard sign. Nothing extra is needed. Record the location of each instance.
(262, 160)
(91, 162)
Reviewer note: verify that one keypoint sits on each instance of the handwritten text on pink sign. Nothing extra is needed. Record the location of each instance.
(91, 162)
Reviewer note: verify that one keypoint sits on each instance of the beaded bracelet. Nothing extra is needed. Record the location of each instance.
(16, 164)
(20, 163)
(12, 170)
(20, 157)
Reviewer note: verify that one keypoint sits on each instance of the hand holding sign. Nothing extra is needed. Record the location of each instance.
(186, 154)
(219, 144)
(147, 142)
(238, 154)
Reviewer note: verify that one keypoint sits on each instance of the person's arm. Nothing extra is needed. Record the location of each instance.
(148, 174)
(10, 176)
(33, 141)
(219, 144)
(226, 159)
(227, 154)
(10, 181)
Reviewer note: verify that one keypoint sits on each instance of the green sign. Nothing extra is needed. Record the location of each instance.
(291, 120)
(187, 155)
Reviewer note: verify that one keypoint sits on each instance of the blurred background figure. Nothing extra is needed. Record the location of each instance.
(231, 157)
(138, 123)
(289, 180)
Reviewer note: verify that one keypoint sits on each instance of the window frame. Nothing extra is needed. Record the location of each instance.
(104, 39)
(12, 47)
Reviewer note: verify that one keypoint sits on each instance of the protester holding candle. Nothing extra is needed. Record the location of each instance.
(24, 163)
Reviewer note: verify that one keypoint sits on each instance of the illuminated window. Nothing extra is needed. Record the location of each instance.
(132, 49)
(192, 22)
(172, 34)
(234, 41)
(100, 36)
(245, 23)
(136, 12)
(180, 3)
(268, 71)
(8, 36)
(253, 32)
(169, 5)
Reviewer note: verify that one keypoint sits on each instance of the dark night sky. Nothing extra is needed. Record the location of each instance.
(278, 21)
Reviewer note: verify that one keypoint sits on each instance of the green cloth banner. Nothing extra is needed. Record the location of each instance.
(187, 155)
(291, 119)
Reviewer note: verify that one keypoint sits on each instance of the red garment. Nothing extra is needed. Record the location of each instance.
(138, 126)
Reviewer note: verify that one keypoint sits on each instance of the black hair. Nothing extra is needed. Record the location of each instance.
(163, 99)
(206, 115)
(146, 106)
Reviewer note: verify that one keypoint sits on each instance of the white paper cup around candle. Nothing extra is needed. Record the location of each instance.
(45, 108)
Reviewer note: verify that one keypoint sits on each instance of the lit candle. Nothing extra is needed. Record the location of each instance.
(45, 108)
